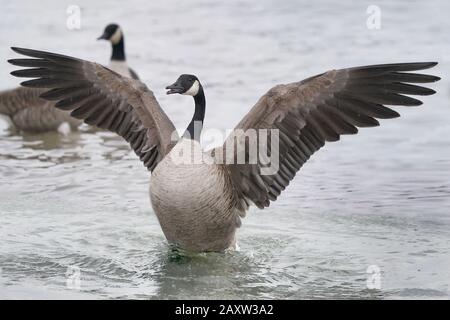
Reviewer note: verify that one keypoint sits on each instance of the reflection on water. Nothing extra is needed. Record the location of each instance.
(380, 198)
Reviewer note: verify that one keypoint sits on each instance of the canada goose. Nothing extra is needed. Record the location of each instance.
(28, 112)
(114, 34)
(199, 205)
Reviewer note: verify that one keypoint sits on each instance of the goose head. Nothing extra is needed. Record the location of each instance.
(186, 84)
(112, 33)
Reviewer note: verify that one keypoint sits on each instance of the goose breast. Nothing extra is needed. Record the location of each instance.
(192, 200)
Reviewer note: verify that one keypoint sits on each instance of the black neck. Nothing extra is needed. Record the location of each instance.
(194, 128)
(118, 50)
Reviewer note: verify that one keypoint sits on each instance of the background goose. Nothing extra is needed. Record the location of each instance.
(114, 34)
(199, 205)
(28, 112)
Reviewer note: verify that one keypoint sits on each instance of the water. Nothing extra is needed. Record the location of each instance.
(380, 198)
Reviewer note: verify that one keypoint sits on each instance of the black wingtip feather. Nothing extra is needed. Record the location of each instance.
(45, 55)
(14, 62)
(412, 66)
(395, 67)
(27, 52)
(435, 78)
(24, 73)
(16, 49)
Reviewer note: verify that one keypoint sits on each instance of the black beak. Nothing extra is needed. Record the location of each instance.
(103, 37)
(174, 88)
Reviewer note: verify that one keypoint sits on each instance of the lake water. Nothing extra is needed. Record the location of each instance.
(375, 206)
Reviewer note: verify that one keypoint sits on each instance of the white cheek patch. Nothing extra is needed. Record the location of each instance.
(115, 38)
(193, 90)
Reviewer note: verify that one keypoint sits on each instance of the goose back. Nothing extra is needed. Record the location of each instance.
(28, 112)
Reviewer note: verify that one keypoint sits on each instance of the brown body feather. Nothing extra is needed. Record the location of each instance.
(28, 112)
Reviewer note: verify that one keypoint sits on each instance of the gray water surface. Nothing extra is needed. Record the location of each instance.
(380, 199)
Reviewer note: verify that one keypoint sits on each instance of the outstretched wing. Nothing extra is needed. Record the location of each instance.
(316, 110)
(102, 98)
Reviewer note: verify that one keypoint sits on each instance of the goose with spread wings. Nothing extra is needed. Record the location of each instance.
(200, 203)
